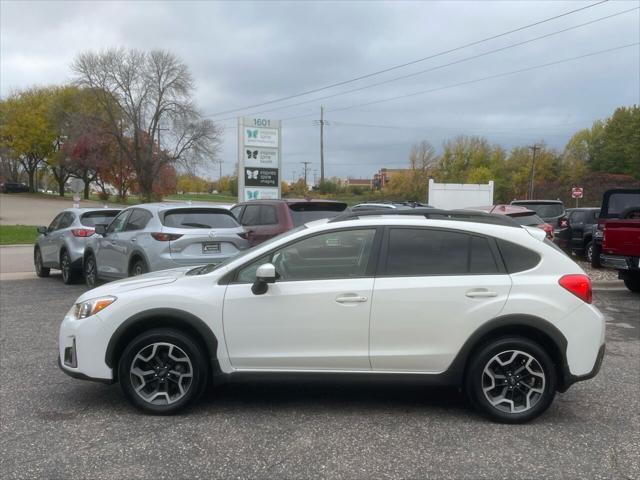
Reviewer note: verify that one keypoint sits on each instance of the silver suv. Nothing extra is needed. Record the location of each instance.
(61, 244)
(151, 237)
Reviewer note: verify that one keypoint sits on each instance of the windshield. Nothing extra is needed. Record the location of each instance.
(101, 217)
(528, 220)
(202, 270)
(545, 210)
(199, 218)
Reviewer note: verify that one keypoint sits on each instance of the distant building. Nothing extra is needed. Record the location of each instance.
(358, 182)
(381, 179)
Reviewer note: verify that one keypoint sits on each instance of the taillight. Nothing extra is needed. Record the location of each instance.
(166, 237)
(82, 232)
(579, 285)
(246, 235)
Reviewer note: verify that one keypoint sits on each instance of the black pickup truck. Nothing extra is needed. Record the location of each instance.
(582, 223)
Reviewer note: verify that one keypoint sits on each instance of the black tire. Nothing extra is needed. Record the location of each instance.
(144, 343)
(595, 259)
(476, 379)
(41, 270)
(632, 283)
(70, 275)
(588, 252)
(90, 271)
(138, 267)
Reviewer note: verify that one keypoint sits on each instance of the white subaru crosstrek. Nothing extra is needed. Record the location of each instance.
(449, 297)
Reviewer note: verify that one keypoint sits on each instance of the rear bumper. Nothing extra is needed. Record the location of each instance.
(569, 379)
(620, 262)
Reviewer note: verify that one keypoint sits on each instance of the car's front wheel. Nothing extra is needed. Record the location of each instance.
(511, 379)
(41, 270)
(588, 252)
(162, 371)
(90, 271)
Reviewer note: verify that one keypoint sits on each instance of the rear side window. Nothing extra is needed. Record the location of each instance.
(259, 215)
(138, 220)
(419, 252)
(102, 217)
(306, 212)
(517, 258)
(199, 218)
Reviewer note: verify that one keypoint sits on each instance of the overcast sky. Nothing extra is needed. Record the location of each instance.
(244, 53)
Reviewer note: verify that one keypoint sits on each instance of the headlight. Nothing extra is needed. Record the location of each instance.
(90, 307)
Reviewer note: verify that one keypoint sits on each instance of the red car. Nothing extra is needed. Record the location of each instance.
(522, 215)
(264, 219)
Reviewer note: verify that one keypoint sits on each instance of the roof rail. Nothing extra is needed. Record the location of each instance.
(435, 214)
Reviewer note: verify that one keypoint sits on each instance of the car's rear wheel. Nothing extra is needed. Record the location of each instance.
(138, 267)
(69, 274)
(632, 282)
(511, 380)
(162, 371)
(41, 270)
(588, 252)
(595, 256)
(90, 271)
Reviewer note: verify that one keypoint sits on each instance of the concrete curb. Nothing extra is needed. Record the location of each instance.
(18, 245)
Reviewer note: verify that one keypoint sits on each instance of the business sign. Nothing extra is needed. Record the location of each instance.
(577, 192)
(261, 137)
(260, 177)
(259, 159)
(260, 193)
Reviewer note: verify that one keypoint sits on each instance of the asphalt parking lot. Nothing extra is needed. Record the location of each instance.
(53, 426)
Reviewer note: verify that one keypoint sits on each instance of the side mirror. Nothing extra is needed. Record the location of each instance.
(265, 275)
(42, 230)
(101, 229)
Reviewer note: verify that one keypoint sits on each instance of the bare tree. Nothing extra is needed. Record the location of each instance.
(147, 101)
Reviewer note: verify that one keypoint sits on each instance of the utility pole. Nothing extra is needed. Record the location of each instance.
(220, 165)
(306, 168)
(535, 149)
(321, 144)
(322, 123)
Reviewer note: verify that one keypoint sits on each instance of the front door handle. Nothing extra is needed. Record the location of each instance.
(351, 299)
(481, 293)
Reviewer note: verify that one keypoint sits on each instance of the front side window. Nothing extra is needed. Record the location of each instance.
(341, 254)
(118, 223)
(54, 223)
(424, 252)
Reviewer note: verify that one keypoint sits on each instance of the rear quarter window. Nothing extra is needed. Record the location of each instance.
(517, 258)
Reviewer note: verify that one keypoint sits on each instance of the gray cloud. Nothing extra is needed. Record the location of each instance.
(242, 53)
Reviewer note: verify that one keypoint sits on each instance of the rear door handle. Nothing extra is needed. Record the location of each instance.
(351, 299)
(481, 293)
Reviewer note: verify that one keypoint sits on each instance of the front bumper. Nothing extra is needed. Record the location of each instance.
(82, 347)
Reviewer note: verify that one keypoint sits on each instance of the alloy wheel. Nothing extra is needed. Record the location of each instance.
(90, 272)
(589, 252)
(65, 267)
(513, 381)
(161, 373)
(38, 262)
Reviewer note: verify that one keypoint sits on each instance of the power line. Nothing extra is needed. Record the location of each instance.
(438, 67)
(412, 62)
(477, 80)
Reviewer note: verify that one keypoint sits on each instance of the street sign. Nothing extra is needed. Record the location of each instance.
(259, 158)
(576, 192)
